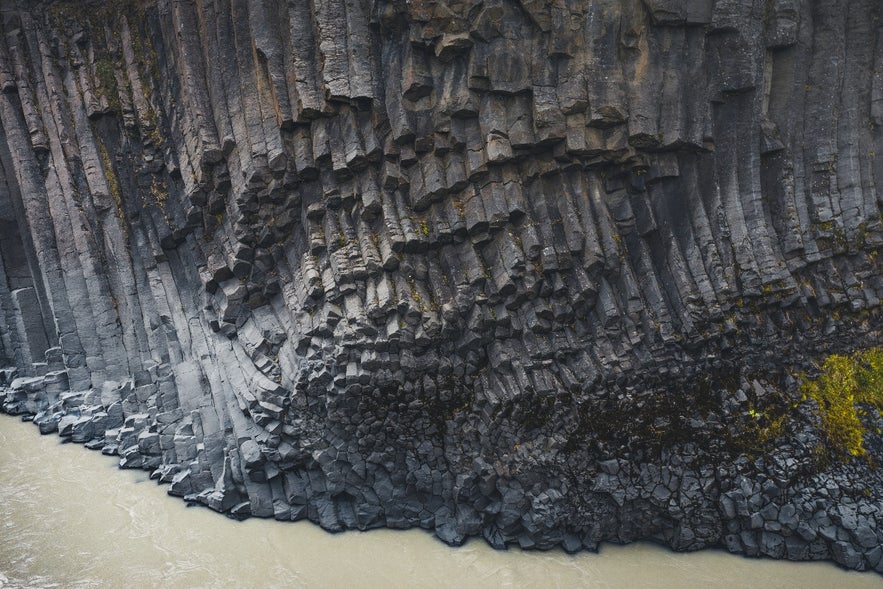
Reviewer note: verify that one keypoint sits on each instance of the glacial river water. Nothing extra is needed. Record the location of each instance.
(70, 519)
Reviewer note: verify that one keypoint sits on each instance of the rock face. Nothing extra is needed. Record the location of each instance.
(535, 271)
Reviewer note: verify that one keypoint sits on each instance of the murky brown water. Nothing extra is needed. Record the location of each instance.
(70, 519)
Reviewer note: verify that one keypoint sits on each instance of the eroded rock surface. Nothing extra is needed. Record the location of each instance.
(541, 272)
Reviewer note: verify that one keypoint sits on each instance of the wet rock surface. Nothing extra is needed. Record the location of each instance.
(542, 273)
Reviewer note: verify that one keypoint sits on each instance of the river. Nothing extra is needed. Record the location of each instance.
(70, 519)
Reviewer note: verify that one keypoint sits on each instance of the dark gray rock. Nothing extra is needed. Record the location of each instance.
(452, 265)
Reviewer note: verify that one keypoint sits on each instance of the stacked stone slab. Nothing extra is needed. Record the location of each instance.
(525, 270)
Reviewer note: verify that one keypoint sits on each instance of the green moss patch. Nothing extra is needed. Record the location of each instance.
(843, 386)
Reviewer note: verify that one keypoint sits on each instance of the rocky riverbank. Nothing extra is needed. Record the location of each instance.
(780, 504)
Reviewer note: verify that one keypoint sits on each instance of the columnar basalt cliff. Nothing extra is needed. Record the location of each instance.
(547, 272)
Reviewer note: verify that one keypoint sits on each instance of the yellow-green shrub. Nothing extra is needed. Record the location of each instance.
(870, 377)
(843, 382)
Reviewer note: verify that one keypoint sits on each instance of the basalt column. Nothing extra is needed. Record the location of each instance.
(550, 273)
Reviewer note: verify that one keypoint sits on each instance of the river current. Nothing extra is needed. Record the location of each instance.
(70, 519)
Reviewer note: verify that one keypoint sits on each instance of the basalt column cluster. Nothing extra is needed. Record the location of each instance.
(546, 272)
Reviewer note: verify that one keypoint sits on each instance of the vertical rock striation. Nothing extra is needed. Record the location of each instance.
(538, 271)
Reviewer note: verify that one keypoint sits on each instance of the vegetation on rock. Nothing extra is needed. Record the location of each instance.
(844, 385)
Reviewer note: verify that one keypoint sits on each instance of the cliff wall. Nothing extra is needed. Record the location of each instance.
(545, 272)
